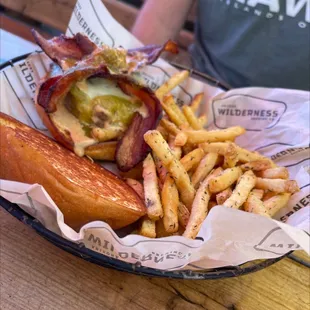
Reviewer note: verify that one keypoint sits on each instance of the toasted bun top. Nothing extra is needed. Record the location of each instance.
(80, 172)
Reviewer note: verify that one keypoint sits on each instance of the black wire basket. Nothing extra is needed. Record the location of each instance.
(105, 261)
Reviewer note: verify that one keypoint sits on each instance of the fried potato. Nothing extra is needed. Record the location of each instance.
(192, 159)
(148, 228)
(170, 202)
(194, 105)
(268, 195)
(259, 193)
(254, 205)
(183, 215)
(161, 230)
(246, 156)
(170, 127)
(173, 111)
(106, 134)
(203, 120)
(151, 190)
(226, 179)
(230, 156)
(136, 186)
(187, 148)
(170, 84)
(276, 203)
(274, 173)
(160, 168)
(157, 143)
(257, 165)
(180, 139)
(201, 136)
(102, 151)
(277, 185)
(191, 117)
(163, 131)
(200, 206)
(242, 190)
(223, 196)
(176, 150)
(205, 166)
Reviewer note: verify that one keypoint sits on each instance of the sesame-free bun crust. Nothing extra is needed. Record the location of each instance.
(82, 190)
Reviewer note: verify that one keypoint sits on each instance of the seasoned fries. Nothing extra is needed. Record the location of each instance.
(257, 165)
(147, 228)
(194, 105)
(277, 185)
(173, 82)
(170, 202)
(151, 190)
(205, 166)
(254, 205)
(277, 202)
(274, 173)
(226, 179)
(102, 151)
(223, 196)
(200, 206)
(191, 118)
(192, 159)
(201, 136)
(183, 214)
(189, 158)
(241, 192)
(106, 134)
(155, 140)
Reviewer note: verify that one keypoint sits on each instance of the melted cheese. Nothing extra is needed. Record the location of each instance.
(66, 121)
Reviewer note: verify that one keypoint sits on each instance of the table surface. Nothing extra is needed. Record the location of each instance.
(34, 274)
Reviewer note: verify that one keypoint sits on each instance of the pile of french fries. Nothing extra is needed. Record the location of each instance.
(190, 170)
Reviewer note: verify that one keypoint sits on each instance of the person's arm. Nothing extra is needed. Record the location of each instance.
(160, 20)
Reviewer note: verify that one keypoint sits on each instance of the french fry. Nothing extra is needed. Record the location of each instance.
(102, 151)
(257, 165)
(259, 193)
(196, 102)
(161, 230)
(223, 196)
(254, 205)
(187, 148)
(277, 185)
(183, 215)
(151, 190)
(106, 134)
(170, 84)
(246, 156)
(211, 205)
(147, 228)
(160, 168)
(205, 166)
(242, 190)
(163, 131)
(226, 179)
(268, 195)
(173, 111)
(170, 202)
(183, 183)
(170, 127)
(176, 150)
(230, 156)
(191, 117)
(201, 136)
(200, 206)
(157, 143)
(180, 139)
(274, 173)
(203, 120)
(136, 186)
(276, 203)
(192, 159)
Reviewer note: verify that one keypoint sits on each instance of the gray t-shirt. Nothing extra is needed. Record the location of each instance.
(254, 42)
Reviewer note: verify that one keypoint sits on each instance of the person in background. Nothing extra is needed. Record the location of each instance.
(262, 43)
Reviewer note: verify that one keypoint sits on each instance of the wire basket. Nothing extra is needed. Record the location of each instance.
(105, 261)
